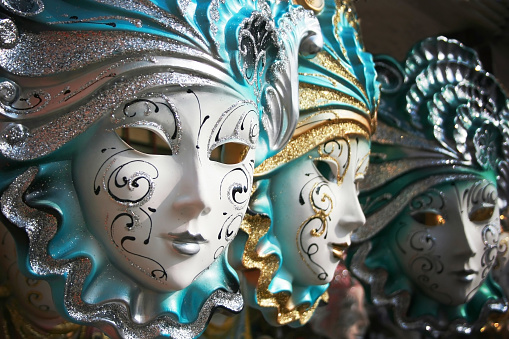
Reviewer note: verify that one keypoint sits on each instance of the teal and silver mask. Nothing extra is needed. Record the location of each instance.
(133, 239)
(305, 205)
(436, 191)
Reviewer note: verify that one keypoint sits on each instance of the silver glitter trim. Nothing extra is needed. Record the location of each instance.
(23, 7)
(51, 136)
(388, 135)
(241, 124)
(8, 33)
(47, 53)
(14, 134)
(379, 173)
(134, 22)
(399, 301)
(9, 91)
(170, 22)
(378, 220)
(41, 228)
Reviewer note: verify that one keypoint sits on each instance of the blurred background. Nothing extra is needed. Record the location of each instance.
(393, 26)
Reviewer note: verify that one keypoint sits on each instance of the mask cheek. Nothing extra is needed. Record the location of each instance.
(230, 205)
(414, 248)
(235, 188)
(131, 183)
(490, 238)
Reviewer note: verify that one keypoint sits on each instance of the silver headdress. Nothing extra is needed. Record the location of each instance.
(441, 114)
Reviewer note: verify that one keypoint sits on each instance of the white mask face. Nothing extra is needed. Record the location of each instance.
(163, 219)
(446, 239)
(316, 207)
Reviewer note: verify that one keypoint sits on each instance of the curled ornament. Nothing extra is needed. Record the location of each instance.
(298, 32)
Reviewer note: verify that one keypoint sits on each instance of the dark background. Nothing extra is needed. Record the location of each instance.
(393, 26)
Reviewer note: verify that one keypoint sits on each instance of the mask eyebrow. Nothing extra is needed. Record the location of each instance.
(145, 140)
(156, 114)
(362, 162)
(482, 191)
(239, 123)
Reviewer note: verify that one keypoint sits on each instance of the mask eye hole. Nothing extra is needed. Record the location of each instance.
(229, 153)
(327, 169)
(428, 218)
(144, 140)
(481, 214)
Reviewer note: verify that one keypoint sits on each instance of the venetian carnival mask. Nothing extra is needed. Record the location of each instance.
(170, 216)
(446, 239)
(305, 204)
(134, 239)
(435, 191)
(316, 206)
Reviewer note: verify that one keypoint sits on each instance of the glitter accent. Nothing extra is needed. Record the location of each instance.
(380, 173)
(312, 96)
(305, 142)
(8, 91)
(41, 228)
(345, 8)
(168, 21)
(334, 65)
(256, 226)
(49, 137)
(248, 106)
(15, 134)
(134, 22)
(23, 8)
(8, 33)
(388, 135)
(48, 52)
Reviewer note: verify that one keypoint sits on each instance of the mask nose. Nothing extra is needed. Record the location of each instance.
(190, 199)
(353, 217)
(465, 242)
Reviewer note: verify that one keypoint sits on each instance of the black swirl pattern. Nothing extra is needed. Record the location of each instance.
(127, 184)
(140, 181)
(321, 204)
(229, 227)
(132, 220)
(237, 192)
(491, 238)
(430, 199)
